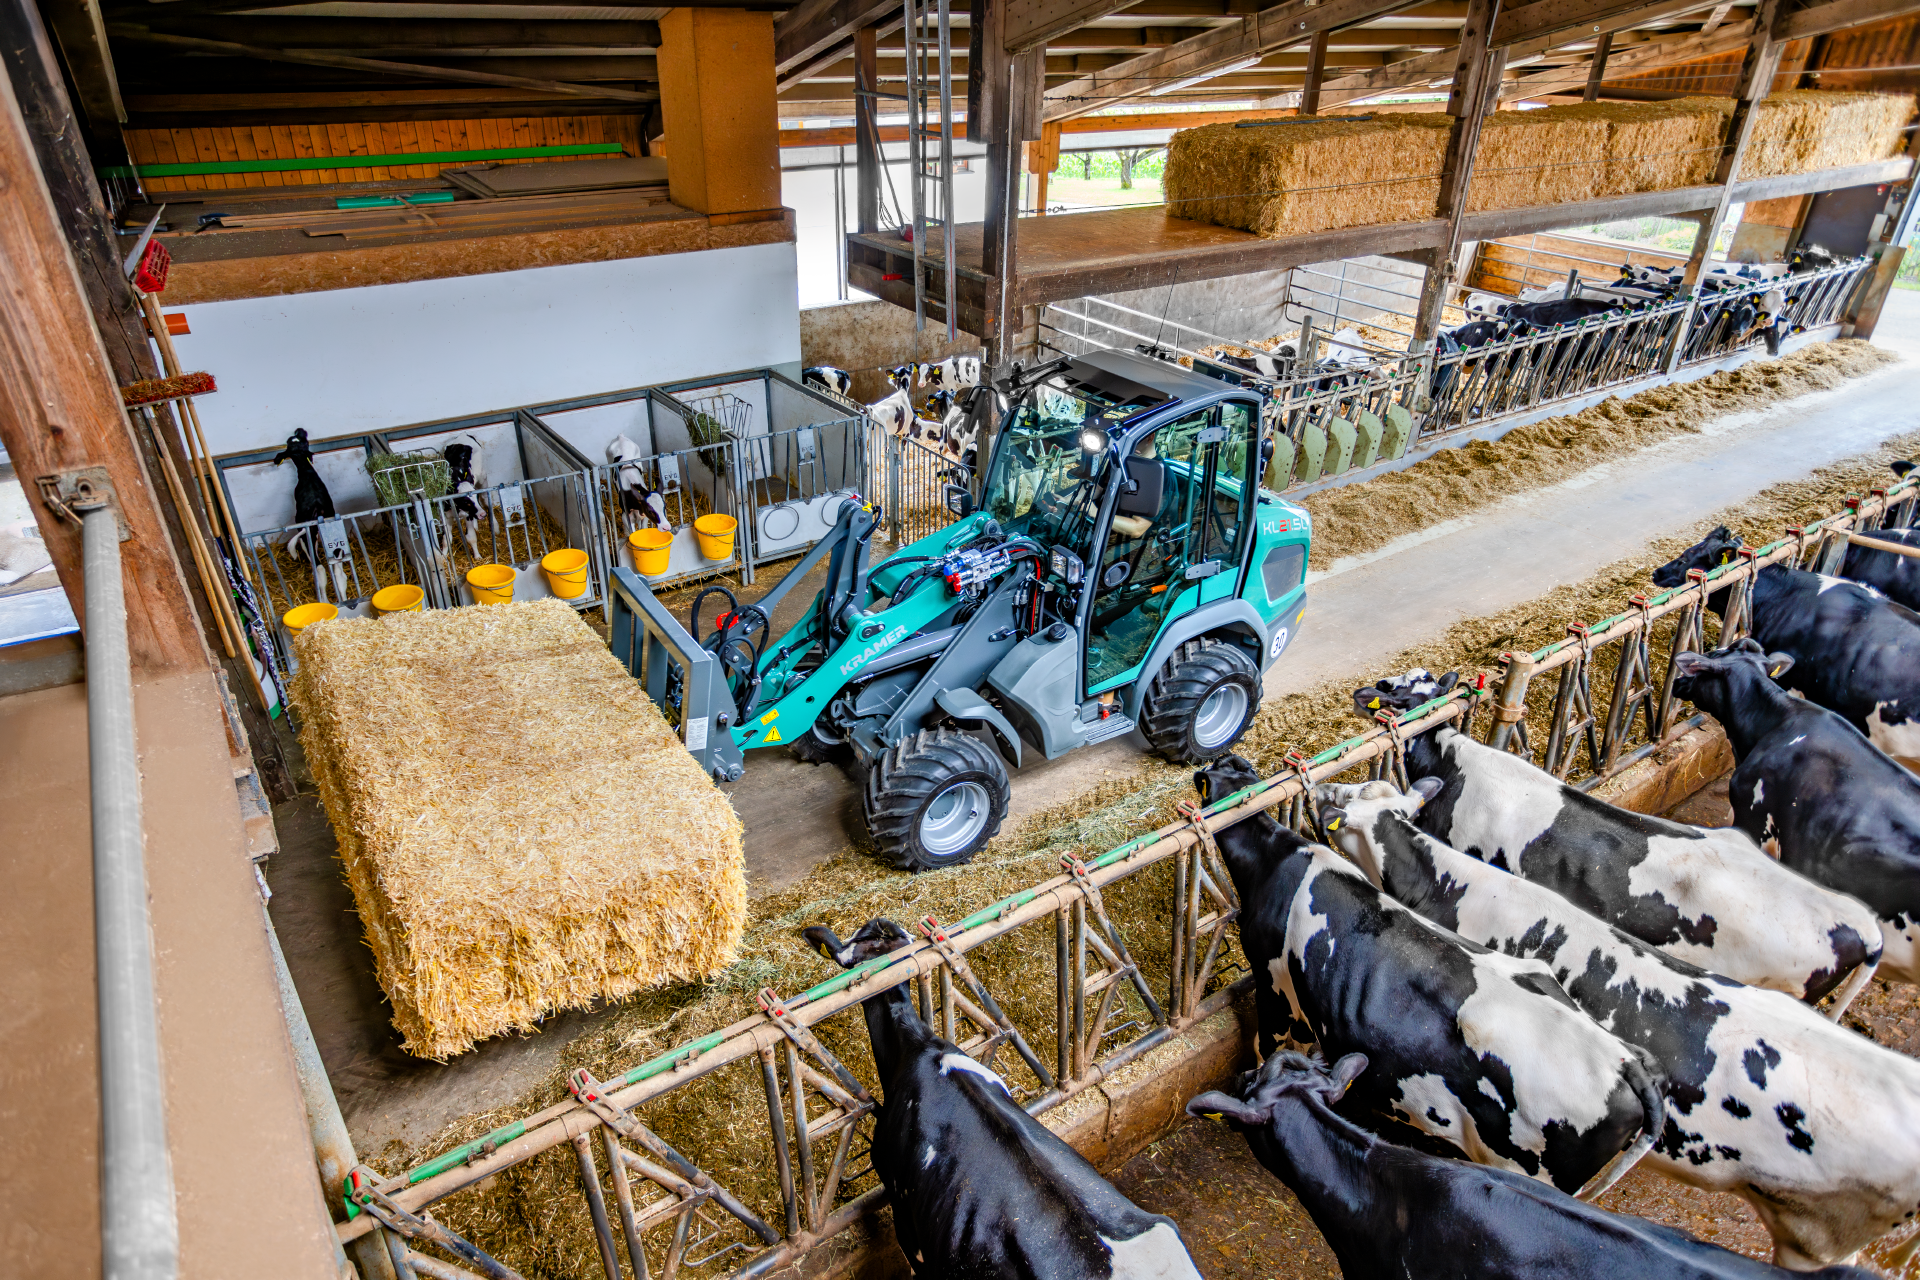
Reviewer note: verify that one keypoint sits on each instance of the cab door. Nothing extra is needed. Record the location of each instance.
(1152, 570)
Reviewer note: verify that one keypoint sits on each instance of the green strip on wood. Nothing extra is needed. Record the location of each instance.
(465, 1151)
(203, 168)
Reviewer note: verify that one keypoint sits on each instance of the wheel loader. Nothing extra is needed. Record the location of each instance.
(1120, 570)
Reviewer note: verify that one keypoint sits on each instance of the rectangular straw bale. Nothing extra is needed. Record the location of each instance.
(1556, 155)
(521, 829)
(1658, 146)
(1804, 130)
(1296, 178)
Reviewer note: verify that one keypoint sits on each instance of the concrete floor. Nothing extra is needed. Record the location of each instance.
(797, 816)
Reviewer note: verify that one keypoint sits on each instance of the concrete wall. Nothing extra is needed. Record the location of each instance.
(352, 360)
(866, 338)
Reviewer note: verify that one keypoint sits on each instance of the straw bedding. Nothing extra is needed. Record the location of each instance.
(521, 830)
(1318, 175)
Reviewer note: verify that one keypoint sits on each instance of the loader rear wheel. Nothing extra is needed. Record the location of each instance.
(934, 799)
(1201, 702)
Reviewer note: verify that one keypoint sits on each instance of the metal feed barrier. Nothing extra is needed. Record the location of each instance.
(1605, 710)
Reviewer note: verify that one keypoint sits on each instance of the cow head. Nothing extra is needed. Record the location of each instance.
(1223, 777)
(296, 448)
(1402, 693)
(901, 376)
(1258, 1092)
(1348, 813)
(1707, 679)
(1717, 548)
(1901, 467)
(876, 937)
(459, 462)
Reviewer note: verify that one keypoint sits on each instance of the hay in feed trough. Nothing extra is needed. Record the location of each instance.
(521, 830)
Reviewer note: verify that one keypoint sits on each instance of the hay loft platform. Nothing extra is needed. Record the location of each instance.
(1074, 255)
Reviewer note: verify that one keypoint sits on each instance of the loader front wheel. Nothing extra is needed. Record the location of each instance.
(1201, 702)
(935, 798)
(811, 748)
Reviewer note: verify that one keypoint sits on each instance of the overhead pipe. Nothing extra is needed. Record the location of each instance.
(139, 1230)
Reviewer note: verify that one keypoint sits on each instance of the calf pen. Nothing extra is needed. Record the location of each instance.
(1609, 704)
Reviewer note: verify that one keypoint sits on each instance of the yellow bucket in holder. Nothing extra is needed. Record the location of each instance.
(491, 583)
(652, 549)
(566, 571)
(402, 597)
(715, 534)
(302, 616)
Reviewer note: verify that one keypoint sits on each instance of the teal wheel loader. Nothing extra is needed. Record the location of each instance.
(1122, 570)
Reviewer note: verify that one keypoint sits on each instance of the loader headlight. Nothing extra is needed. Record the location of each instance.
(1093, 440)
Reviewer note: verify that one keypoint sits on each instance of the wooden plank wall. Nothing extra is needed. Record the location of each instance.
(1507, 266)
(292, 141)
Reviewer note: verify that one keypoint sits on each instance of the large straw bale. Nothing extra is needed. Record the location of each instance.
(1803, 130)
(1556, 155)
(1658, 146)
(521, 830)
(1297, 177)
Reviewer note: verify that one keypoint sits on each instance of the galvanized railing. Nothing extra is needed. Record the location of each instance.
(910, 481)
(1610, 705)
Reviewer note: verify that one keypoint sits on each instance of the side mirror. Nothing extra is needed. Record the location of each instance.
(958, 500)
(1146, 483)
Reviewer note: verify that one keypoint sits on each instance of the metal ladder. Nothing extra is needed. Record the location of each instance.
(929, 50)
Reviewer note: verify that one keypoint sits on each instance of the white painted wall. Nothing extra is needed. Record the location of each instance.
(352, 360)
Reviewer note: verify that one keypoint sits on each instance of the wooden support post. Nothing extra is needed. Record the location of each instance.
(1597, 72)
(1316, 72)
(1043, 159)
(866, 130)
(1756, 77)
(60, 411)
(1012, 105)
(1476, 81)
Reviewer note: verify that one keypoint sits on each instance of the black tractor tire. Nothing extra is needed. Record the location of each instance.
(935, 798)
(811, 748)
(1188, 715)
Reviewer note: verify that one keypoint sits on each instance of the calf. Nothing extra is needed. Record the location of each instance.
(1840, 811)
(1391, 1211)
(1854, 651)
(954, 374)
(978, 1186)
(311, 502)
(895, 413)
(1472, 1048)
(1275, 366)
(640, 506)
(1816, 1127)
(827, 378)
(1704, 895)
(459, 458)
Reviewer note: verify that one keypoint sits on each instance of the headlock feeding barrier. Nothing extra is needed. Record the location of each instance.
(1610, 702)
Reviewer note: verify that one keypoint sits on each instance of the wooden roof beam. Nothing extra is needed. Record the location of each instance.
(815, 30)
(79, 29)
(1819, 20)
(412, 33)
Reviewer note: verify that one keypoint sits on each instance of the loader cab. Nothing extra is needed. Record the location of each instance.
(1147, 475)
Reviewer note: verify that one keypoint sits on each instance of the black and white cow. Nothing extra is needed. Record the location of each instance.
(1273, 365)
(1854, 651)
(1893, 575)
(1475, 1049)
(459, 456)
(311, 501)
(954, 374)
(1392, 1211)
(1559, 311)
(895, 413)
(979, 1188)
(640, 506)
(1705, 895)
(1839, 810)
(1817, 1127)
(827, 378)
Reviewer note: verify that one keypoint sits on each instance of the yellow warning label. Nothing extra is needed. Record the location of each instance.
(773, 735)
(769, 718)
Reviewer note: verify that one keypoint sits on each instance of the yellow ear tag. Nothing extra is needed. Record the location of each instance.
(1726, 557)
(1776, 671)
(1374, 705)
(1334, 825)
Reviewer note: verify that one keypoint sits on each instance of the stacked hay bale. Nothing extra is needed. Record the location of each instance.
(1289, 178)
(521, 830)
(1296, 177)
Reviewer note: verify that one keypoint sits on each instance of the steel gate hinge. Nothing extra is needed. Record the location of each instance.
(76, 490)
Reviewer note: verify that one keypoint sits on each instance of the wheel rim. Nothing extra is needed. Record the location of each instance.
(1220, 715)
(954, 818)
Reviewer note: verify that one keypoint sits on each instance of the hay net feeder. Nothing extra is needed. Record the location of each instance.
(759, 1125)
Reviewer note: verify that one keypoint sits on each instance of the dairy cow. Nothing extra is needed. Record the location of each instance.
(1854, 651)
(1477, 1050)
(1705, 895)
(1389, 1211)
(980, 1188)
(1817, 1127)
(1838, 809)
(1893, 575)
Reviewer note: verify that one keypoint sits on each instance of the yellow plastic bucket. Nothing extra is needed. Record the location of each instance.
(715, 534)
(402, 597)
(302, 616)
(652, 549)
(491, 583)
(566, 572)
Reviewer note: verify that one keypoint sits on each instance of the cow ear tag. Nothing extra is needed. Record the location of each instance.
(1374, 705)
(1726, 557)
(1776, 671)
(1333, 824)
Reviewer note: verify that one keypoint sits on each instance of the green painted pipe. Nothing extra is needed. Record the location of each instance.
(200, 168)
(393, 202)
